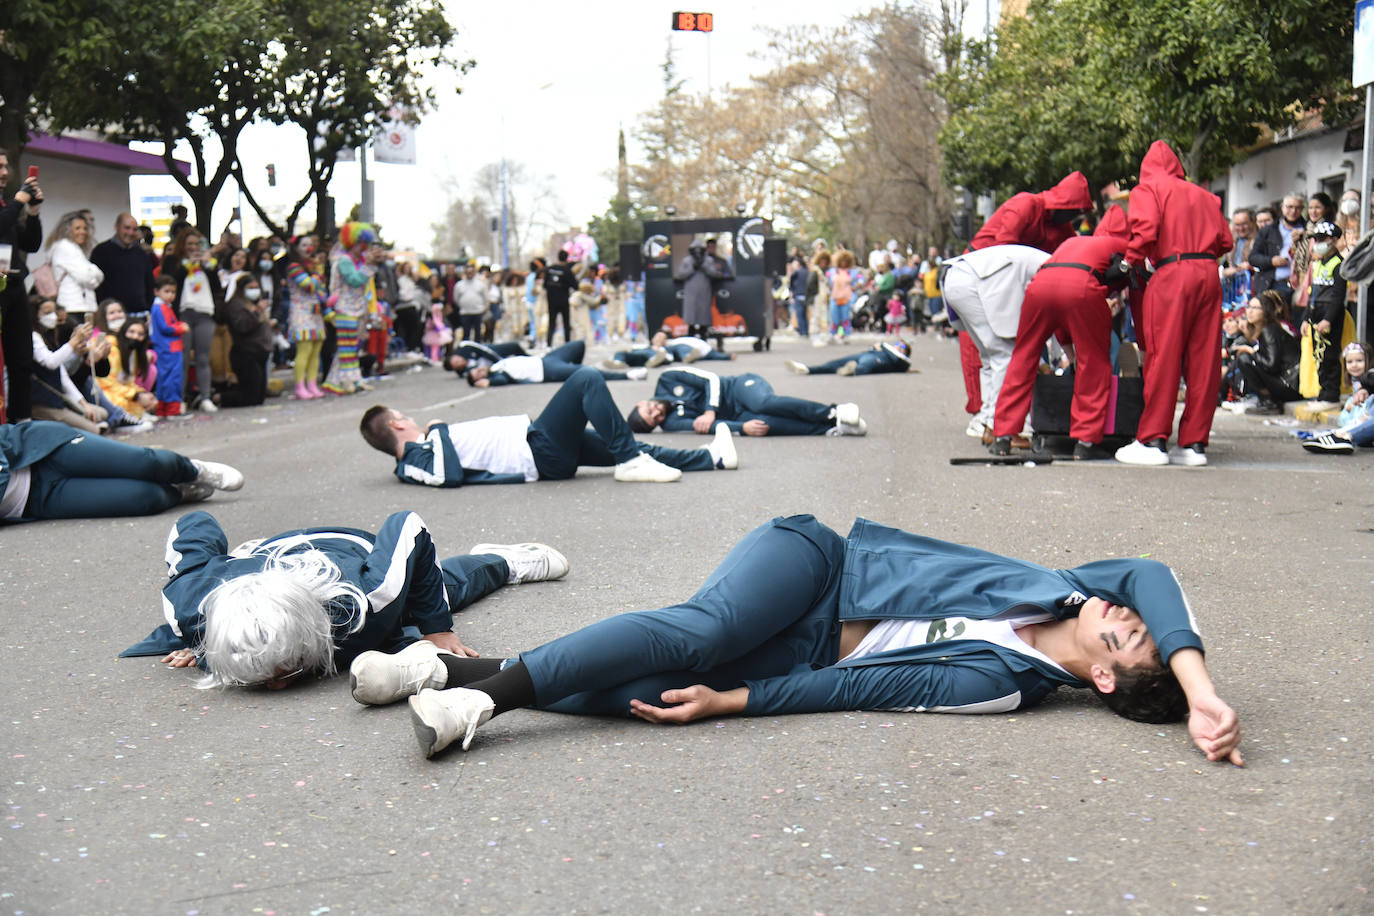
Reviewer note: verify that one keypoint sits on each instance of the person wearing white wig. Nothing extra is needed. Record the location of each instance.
(310, 601)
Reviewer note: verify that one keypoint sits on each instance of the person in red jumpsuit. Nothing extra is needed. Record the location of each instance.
(1041, 220)
(1180, 228)
(1068, 299)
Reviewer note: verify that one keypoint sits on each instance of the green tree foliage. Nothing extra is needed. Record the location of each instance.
(622, 222)
(1089, 84)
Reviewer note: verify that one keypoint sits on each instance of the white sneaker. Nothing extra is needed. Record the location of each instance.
(643, 469)
(975, 429)
(219, 476)
(848, 368)
(441, 717)
(722, 449)
(613, 365)
(208, 406)
(847, 414)
(691, 356)
(195, 491)
(1137, 452)
(659, 358)
(136, 427)
(820, 341)
(796, 367)
(637, 374)
(529, 562)
(853, 429)
(1190, 457)
(376, 678)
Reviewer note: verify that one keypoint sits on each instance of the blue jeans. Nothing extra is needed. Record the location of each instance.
(753, 399)
(560, 440)
(770, 606)
(102, 478)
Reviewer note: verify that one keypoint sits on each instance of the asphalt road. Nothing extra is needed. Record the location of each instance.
(126, 790)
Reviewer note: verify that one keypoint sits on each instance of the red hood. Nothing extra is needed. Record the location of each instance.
(1070, 194)
(1160, 162)
(1113, 225)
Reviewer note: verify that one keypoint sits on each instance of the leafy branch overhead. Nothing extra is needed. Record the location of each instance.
(1089, 84)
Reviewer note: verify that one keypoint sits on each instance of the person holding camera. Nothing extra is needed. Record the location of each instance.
(21, 230)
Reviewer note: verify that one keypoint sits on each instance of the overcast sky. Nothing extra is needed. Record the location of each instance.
(564, 76)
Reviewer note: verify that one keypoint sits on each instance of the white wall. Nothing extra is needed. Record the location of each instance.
(69, 185)
(1298, 166)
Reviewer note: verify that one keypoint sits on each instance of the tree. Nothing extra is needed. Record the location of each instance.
(622, 222)
(336, 69)
(532, 210)
(1089, 84)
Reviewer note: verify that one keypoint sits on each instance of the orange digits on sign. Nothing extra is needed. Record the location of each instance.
(705, 22)
(686, 22)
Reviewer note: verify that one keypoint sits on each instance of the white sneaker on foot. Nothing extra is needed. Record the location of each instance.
(637, 374)
(195, 491)
(528, 562)
(643, 469)
(219, 476)
(975, 429)
(1137, 452)
(441, 717)
(793, 366)
(722, 449)
(208, 406)
(376, 678)
(847, 414)
(659, 358)
(1191, 457)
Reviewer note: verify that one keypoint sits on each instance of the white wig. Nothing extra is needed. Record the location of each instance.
(264, 624)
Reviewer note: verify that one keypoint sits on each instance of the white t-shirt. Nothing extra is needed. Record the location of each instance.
(16, 495)
(696, 344)
(520, 369)
(887, 635)
(496, 445)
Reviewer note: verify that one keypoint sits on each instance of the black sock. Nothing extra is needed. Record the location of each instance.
(463, 670)
(510, 688)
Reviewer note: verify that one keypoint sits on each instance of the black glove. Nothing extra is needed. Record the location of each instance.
(1117, 272)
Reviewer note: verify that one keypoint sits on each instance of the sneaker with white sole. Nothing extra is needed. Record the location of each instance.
(1190, 456)
(847, 414)
(637, 374)
(219, 476)
(644, 469)
(207, 406)
(975, 429)
(528, 562)
(848, 429)
(722, 449)
(659, 358)
(195, 491)
(1327, 444)
(441, 717)
(848, 368)
(795, 367)
(377, 678)
(613, 365)
(1138, 453)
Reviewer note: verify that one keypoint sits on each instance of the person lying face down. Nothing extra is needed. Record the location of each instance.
(306, 602)
(799, 619)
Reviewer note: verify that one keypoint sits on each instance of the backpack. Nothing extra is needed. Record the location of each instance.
(842, 287)
(45, 281)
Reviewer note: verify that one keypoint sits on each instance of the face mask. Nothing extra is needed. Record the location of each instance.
(1321, 248)
(252, 295)
(264, 265)
(48, 321)
(115, 323)
(1350, 206)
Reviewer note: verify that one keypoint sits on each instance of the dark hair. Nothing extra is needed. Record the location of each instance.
(35, 301)
(1248, 211)
(134, 357)
(1273, 305)
(165, 280)
(562, 255)
(1148, 693)
(637, 423)
(103, 322)
(376, 429)
(1328, 207)
(1273, 214)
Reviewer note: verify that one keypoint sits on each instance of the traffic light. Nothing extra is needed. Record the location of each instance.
(271, 175)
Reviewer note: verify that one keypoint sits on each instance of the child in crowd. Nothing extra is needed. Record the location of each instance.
(844, 279)
(1356, 420)
(136, 355)
(118, 383)
(166, 331)
(438, 334)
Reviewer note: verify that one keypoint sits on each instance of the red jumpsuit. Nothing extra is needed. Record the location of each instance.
(1180, 228)
(1025, 219)
(1070, 303)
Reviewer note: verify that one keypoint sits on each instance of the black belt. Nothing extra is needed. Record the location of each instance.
(1097, 274)
(1188, 256)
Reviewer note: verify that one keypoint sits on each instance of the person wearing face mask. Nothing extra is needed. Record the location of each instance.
(1326, 317)
(128, 272)
(250, 324)
(117, 383)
